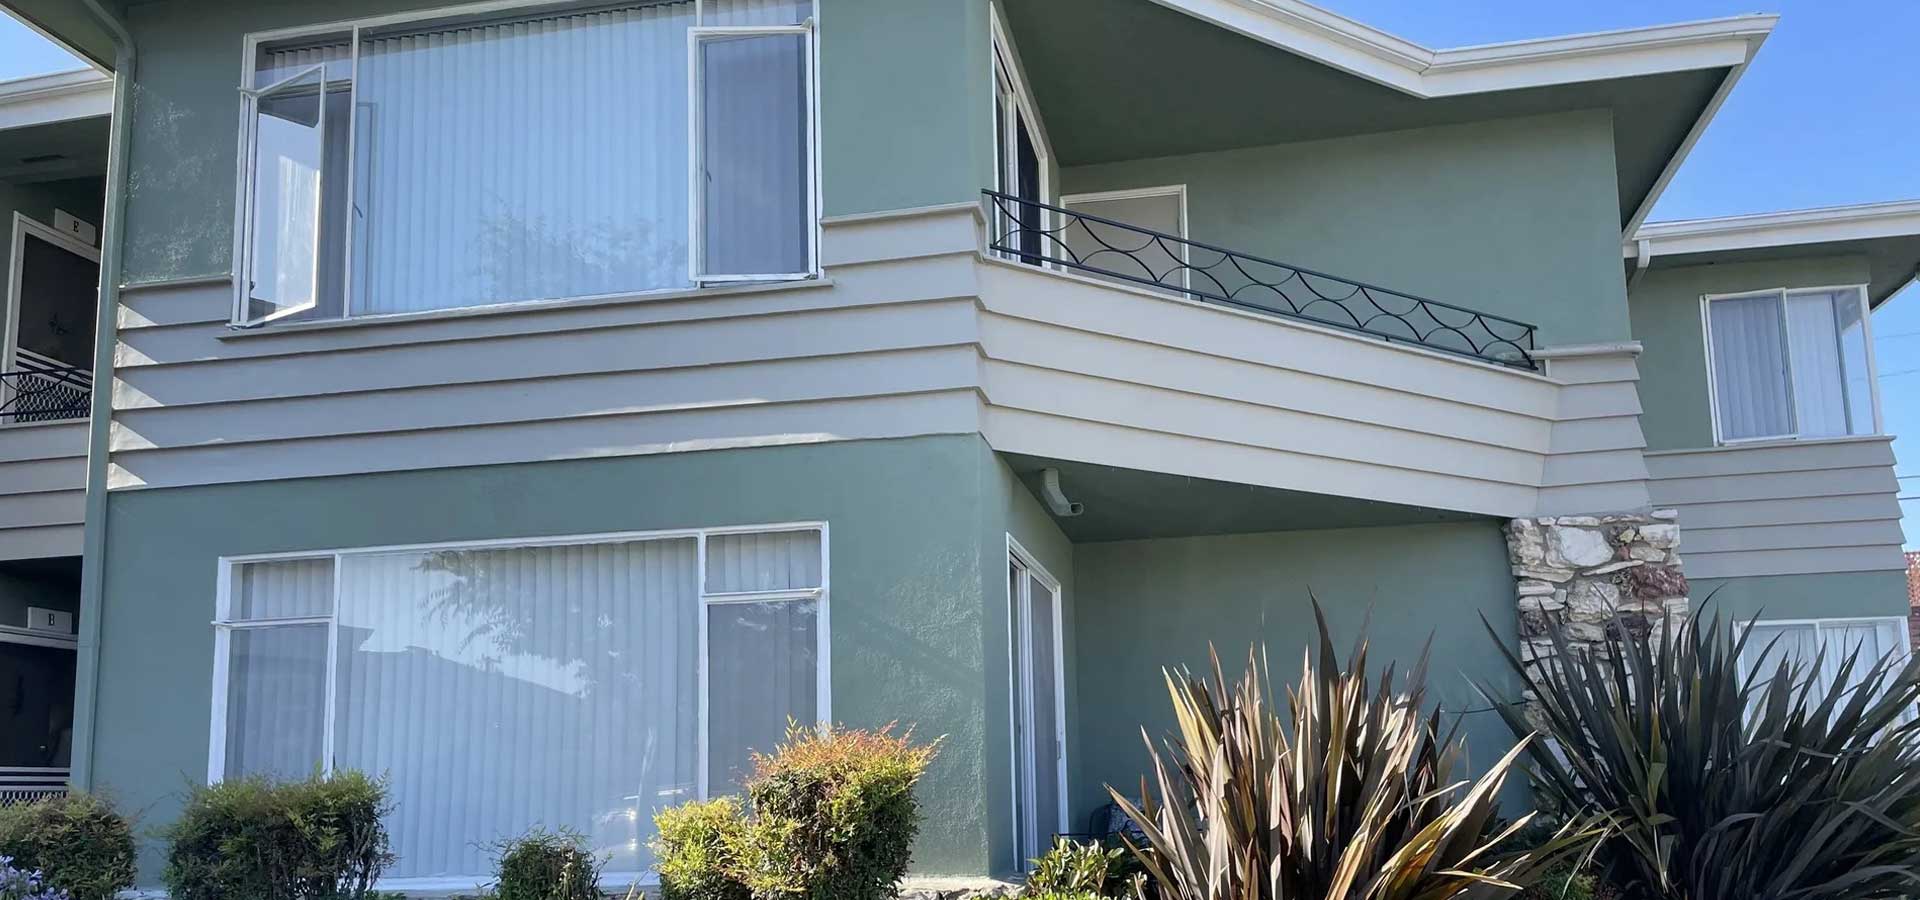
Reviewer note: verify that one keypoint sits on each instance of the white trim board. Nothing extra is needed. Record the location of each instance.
(57, 97)
(1864, 221)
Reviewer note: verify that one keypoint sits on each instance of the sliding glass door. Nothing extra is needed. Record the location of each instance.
(1039, 734)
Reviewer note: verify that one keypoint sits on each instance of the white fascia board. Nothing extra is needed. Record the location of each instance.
(1865, 221)
(1377, 56)
(59, 97)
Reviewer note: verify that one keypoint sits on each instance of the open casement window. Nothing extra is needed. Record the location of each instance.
(753, 193)
(284, 190)
(1791, 364)
(1020, 158)
(1829, 641)
(582, 683)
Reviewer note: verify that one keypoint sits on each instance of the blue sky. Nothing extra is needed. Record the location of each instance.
(1825, 116)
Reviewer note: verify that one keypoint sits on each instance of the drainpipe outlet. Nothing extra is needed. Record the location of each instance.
(1056, 498)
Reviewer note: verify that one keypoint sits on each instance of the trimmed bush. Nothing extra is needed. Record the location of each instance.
(77, 841)
(1072, 867)
(548, 865)
(695, 850)
(831, 817)
(258, 839)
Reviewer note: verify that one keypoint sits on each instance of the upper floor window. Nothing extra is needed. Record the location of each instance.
(464, 159)
(1791, 364)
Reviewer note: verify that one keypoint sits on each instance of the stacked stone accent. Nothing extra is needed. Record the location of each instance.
(1595, 574)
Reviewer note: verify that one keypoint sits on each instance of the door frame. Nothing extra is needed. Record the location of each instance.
(16, 268)
(1018, 680)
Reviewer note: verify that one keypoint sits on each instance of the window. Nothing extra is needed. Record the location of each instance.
(1791, 364)
(458, 160)
(1798, 643)
(576, 682)
(1020, 151)
(1134, 257)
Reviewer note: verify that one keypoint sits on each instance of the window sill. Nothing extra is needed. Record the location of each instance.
(524, 307)
(1763, 443)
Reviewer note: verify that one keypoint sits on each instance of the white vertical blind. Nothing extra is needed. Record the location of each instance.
(276, 701)
(755, 12)
(1813, 343)
(1799, 644)
(1750, 367)
(523, 160)
(763, 561)
(754, 153)
(761, 660)
(499, 689)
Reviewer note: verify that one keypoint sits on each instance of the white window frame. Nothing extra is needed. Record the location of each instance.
(1896, 625)
(1713, 387)
(696, 209)
(1177, 191)
(23, 226)
(224, 625)
(1004, 62)
(249, 157)
(353, 28)
(1018, 683)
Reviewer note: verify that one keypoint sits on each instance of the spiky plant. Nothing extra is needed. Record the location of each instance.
(1724, 787)
(1352, 799)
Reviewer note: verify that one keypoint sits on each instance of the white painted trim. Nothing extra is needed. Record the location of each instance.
(10, 634)
(1713, 392)
(1004, 60)
(224, 624)
(55, 97)
(1583, 351)
(1786, 228)
(1177, 191)
(16, 270)
(1020, 680)
(1403, 65)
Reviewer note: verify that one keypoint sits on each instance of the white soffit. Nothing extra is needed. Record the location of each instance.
(59, 97)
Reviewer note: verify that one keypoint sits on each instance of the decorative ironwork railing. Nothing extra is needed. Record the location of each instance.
(37, 393)
(1045, 235)
(28, 785)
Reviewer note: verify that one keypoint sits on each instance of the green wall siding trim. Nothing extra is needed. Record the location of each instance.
(1147, 604)
(909, 622)
(1512, 216)
(905, 102)
(1837, 595)
(1665, 309)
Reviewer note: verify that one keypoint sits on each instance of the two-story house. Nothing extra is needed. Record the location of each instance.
(542, 403)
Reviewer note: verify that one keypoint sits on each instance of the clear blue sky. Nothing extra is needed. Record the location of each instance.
(1826, 115)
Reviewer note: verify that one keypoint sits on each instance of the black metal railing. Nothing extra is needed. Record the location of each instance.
(1041, 234)
(30, 785)
(36, 393)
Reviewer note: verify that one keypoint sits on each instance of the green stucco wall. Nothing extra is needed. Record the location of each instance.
(1515, 216)
(911, 631)
(906, 113)
(1665, 308)
(1835, 595)
(1147, 604)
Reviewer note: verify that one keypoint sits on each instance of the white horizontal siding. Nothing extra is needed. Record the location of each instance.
(1595, 459)
(1783, 509)
(43, 477)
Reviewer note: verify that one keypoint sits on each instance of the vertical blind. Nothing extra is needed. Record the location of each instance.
(531, 158)
(500, 688)
(1799, 644)
(1791, 363)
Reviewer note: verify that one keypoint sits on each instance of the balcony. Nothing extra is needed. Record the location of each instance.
(44, 392)
(1056, 237)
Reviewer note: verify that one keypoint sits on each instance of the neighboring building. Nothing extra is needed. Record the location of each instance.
(541, 403)
(1913, 598)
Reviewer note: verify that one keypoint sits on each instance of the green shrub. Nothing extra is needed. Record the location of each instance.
(548, 865)
(1724, 784)
(79, 843)
(831, 816)
(1072, 867)
(695, 850)
(257, 839)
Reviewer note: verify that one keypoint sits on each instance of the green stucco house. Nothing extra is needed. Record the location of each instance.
(541, 402)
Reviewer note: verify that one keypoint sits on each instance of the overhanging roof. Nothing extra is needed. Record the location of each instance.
(1337, 77)
(1888, 234)
(58, 97)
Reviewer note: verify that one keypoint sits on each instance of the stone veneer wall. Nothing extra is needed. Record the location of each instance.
(1594, 574)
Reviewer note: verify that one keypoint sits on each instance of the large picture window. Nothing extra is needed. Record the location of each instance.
(1800, 643)
(466, 159)
(1791, 364)
(577, 682)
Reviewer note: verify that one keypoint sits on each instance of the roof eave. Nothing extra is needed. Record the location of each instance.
(58, 97)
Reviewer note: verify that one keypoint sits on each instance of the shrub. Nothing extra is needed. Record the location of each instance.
(77, 841)
(548, 865)
(1354, 797)
(1072, 867)
(25, 884)
(1722, 786)
(831, 816)
(257, 839)
(695, 850)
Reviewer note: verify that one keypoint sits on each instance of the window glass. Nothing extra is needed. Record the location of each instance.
(1801, 644)
(754, 155)
(1813, 342)
(1750, 367)
(36, 719)
(1852, 325)
(499, 688)
(288, 149)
